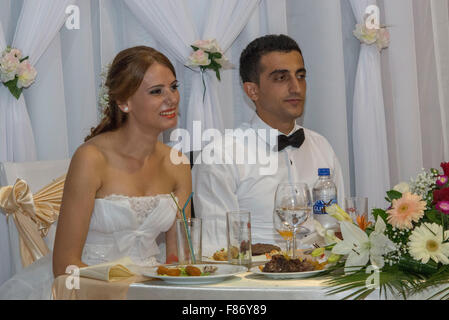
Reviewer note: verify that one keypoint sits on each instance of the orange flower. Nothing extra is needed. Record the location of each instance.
(405, 210)
(362, 222)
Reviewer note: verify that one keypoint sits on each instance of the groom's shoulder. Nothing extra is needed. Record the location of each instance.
(316, 138)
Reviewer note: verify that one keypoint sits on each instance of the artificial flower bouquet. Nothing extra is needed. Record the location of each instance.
(16, 72)
(405, 251)
(207, 54)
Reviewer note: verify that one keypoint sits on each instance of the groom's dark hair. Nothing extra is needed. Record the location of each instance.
(250, 57)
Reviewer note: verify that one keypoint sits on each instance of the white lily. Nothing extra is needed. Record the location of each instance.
(360, 248)
(338, 213)
(327, 234)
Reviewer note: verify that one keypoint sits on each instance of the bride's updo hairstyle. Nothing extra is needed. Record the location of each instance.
(124, 78)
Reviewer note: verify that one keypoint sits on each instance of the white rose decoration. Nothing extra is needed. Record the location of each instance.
(402, 187)
(9, 65)
(208, 45)
(26, 75)
(199, 58)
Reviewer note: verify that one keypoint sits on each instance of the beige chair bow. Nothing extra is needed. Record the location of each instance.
(32, 216)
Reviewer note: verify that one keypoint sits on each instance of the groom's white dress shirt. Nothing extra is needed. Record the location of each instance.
(220, 188)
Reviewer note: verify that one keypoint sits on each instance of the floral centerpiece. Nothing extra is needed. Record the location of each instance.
(16, 72)
(405, 251)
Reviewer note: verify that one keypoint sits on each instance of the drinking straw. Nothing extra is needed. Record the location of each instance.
(189, 240)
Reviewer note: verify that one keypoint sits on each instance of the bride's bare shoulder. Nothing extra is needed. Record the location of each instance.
(173, 157)
(93, 152)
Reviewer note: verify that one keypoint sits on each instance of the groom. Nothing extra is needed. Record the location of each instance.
(274, 78)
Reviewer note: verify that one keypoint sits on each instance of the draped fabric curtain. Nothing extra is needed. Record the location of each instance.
(415, 77)
(225, 21)
(372, 176)
(38, 23)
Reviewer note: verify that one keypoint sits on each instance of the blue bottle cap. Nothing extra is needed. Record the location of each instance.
(324, 172)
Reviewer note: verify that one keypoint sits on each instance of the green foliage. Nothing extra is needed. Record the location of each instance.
(393, 195)
(12, 86)
(393, 280)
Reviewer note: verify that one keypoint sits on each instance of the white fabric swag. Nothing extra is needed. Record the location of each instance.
(171, 24)
(369, 128)
(38, 24)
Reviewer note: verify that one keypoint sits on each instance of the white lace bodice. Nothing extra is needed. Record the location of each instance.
(128, 226)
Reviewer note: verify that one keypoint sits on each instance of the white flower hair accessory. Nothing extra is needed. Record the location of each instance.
(103, 93)
(16, 72)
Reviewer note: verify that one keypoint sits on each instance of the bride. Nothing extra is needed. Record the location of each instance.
(117, 192)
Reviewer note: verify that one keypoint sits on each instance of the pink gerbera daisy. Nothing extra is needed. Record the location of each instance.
(405, 210)
(443, 206)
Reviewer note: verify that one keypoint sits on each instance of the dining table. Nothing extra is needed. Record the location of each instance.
(249, 286)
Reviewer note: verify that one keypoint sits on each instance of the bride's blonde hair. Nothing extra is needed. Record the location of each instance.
(124, 78)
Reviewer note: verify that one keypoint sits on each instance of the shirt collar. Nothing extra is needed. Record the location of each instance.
(257, 123)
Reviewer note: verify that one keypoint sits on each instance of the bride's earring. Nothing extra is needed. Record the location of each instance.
(126, 109)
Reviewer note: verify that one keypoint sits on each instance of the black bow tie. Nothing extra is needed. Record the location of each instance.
(295, 140)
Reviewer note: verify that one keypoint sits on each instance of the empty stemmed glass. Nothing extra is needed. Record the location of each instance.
(292, 207)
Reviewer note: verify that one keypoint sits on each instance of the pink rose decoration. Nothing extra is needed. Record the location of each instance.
(199, 58)
(26, 74)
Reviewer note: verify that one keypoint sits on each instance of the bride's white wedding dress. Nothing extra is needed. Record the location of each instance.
(120, 226)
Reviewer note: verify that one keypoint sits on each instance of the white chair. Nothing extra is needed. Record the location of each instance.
(37, 175)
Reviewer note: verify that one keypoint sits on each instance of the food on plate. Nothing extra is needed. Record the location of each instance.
(220, 255)
(173, 272)
(193, 271)
(209, 269)
(186, 271)
(257, 249)
(283, 263)
(262, 248)
(162, 270)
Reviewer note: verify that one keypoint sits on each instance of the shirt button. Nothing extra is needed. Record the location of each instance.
(291, 162)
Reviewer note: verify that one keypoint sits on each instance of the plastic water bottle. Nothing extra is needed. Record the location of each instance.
(324, 194)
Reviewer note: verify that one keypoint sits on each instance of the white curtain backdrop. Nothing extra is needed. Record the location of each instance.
(61, 106)
(372, 176)
(415, 73)
(38, 23)
(225, 20)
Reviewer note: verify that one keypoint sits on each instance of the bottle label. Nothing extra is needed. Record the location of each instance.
(320, 206)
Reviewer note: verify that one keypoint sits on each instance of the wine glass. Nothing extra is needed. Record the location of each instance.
(292, 207)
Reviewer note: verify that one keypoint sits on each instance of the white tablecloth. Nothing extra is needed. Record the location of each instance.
(247, 286)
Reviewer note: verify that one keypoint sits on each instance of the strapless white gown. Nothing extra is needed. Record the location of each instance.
(120, 226)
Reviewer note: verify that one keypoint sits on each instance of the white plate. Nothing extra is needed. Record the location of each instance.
(223, 272)
(285, 275)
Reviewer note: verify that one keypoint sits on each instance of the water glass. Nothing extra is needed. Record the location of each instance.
(238, 229)
(184, 231)
(356, 206)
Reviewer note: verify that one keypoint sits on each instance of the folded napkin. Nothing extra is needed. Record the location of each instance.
(106, 281)
(110, 271)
